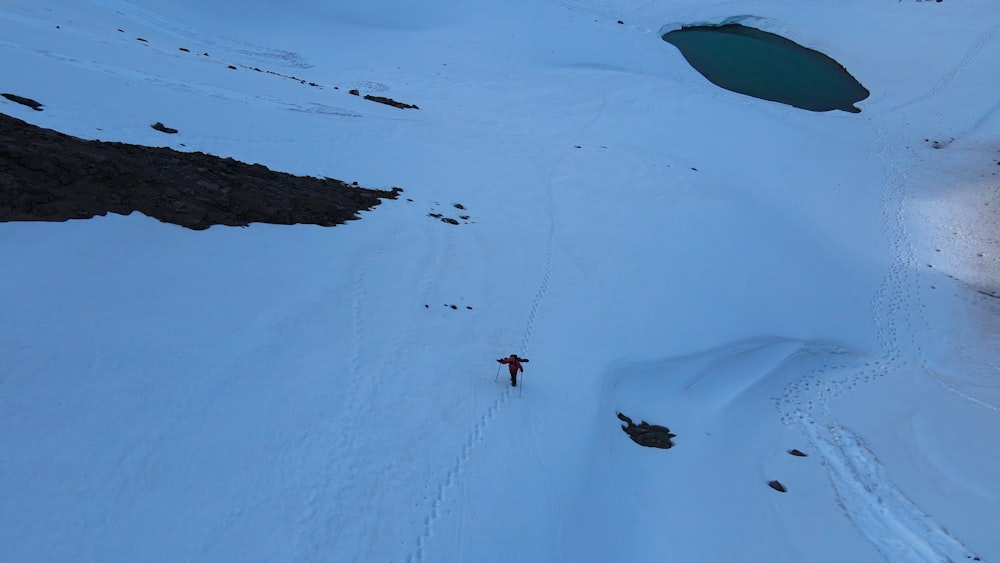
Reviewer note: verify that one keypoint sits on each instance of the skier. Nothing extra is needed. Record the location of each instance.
(514, 365)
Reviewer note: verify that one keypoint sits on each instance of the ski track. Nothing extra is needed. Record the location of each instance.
(442, 490)
(942, 381)
(478, 432)
(169, 27)
(232, 49)
(977, 46)
(477, 435)
(897, 528)
(333, 438)
(186, 86)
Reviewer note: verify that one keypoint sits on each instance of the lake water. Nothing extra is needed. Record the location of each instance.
(767, 66)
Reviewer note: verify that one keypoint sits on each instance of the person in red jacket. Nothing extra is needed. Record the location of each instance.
(514, 365)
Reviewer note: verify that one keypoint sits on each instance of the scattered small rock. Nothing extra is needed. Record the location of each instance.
(354, 92)
(185, 49)
(23, 101)
(449, 220)
(163, 128)
(232, 67)
(459, 206)
(797, 453)
(141, 39)
(776, 485)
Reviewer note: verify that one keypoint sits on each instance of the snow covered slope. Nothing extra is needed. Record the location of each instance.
(751, 275)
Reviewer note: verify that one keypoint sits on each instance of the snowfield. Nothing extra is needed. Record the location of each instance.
(756, 277)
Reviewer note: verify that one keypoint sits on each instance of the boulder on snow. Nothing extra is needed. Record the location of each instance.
(646, 434)
(163, 128)
(776, 485)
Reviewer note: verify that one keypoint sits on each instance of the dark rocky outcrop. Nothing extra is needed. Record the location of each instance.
(646, 434)
(49, 176)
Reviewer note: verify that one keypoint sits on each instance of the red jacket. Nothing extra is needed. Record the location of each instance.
(514, 363)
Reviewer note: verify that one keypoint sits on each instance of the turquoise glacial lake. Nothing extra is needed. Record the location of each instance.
(768, 66)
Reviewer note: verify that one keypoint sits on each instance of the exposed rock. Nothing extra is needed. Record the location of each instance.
(797, 453)
(646, 434)
(23, 101)
(163, 128)
(388, 101)
(49, 176)
(776, 485)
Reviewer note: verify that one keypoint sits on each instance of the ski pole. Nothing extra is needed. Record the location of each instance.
(497, 376)
(521, 387)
